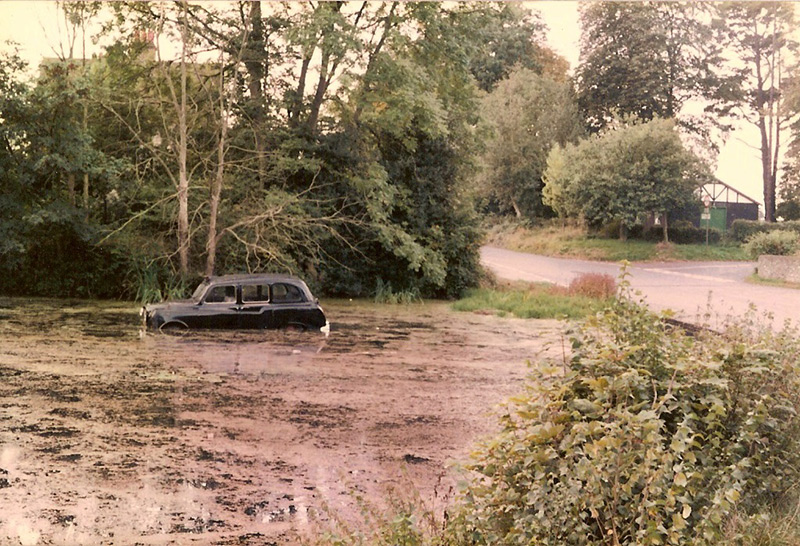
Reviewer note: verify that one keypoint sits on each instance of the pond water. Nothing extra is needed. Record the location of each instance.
(238, 437)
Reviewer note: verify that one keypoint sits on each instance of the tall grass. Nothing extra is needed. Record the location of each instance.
(538, 300)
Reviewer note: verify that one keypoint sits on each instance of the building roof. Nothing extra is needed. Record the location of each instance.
(720, 192)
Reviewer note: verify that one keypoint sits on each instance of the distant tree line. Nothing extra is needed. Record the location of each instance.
(358, 143)
(705, 66)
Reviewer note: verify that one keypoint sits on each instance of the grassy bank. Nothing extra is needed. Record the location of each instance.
(586, 295)
(575, 242)
(536, 302)
(755, 279)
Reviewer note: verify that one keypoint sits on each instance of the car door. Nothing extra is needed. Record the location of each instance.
(255, 310)
(219, 308)
(287, 305)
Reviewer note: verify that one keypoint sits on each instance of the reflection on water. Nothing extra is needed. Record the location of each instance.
(369, 330)
(260, 352)
(236, 352)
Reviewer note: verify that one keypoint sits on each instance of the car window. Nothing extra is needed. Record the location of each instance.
(198, 292)
(223, 293)
(286, 293)
(255, 293)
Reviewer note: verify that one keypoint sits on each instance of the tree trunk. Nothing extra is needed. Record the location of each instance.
(765, 105)
(387, 26)
(183, 181)
(71, 188)
(254, 57)
(85, 130)
(216, 186)
(623, 232)
(767, 177)
(517, 211)
(319, 95)
(665, 227)
(297, 100)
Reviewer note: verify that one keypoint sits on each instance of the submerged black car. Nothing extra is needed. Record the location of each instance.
(241, 301)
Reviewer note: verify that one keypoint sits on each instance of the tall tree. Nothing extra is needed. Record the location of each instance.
(77, 15)
(15, 163)
(528, 114)
(166, 100)
(503, 37)
(760, 34)
(650, 59)
(789, 190)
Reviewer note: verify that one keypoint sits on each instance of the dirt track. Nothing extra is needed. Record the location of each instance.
(238, 438)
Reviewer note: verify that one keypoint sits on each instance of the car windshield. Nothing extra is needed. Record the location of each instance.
(199, 291)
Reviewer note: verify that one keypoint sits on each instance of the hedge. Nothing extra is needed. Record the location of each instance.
(743, 230)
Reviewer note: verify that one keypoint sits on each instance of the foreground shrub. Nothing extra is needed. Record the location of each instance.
(776, 243)
(645, 436)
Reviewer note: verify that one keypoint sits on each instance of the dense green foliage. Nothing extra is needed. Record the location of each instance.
(333, 141)
(789, 207)
(744, 230)
(507, 39)
(623, 174)
(648, 59)
(528, 114)
(777, 242)
(645, 436)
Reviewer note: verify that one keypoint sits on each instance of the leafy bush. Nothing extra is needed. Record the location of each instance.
(776, 243)
(593, 285)
(385, 294)
(683, 232)
(743, 230)
(645, 436)
(54, 253)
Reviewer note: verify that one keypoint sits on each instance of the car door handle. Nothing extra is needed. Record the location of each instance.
(250, 309)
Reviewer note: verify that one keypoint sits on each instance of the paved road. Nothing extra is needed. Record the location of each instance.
(691, 289)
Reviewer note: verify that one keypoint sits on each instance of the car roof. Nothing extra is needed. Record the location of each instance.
(253, 277)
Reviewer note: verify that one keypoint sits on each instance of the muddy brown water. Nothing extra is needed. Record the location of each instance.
(111, 437)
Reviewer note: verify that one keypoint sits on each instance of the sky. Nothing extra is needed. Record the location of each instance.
(36, 27)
